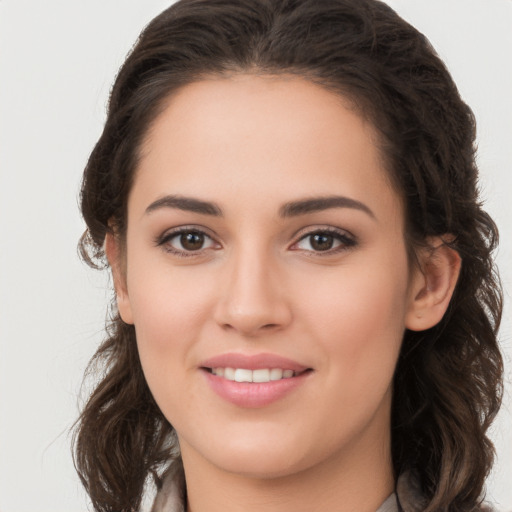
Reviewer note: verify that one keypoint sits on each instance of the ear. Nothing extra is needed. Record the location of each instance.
(432, 284)
(116, 260)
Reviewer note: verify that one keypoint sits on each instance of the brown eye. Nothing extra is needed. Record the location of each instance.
(186, 242)
(327, 241)
(321, 241)
(192, 241)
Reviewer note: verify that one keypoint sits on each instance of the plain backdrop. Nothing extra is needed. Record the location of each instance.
(58, 59)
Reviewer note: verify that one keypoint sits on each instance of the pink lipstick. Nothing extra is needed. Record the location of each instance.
(253, 380)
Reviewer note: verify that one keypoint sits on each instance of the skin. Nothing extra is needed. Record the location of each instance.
(251, 144)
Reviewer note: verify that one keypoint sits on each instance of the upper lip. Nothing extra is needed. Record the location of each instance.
(253, 362)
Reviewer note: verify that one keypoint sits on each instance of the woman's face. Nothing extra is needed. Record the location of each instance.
(265, 242)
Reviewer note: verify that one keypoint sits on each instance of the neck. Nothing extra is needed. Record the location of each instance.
(360, 478)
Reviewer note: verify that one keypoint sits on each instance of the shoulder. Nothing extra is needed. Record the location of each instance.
(410, 497)
(171, 496)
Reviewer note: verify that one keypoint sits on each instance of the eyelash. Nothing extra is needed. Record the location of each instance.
(165, 239)
(346, 241)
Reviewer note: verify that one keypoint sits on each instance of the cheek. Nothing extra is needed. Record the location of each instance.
(358, 316)
(168, 321)
(169, 310)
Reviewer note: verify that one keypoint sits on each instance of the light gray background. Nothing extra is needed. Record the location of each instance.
(58, 59)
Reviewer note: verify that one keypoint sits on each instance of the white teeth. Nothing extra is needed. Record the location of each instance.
(276, 374)
(242, 375)
(229, 373)
(260, 375)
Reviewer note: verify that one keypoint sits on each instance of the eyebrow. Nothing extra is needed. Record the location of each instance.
(291, 209)
(317, 204)
(188, 204)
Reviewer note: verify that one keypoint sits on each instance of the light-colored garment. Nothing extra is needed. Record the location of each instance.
(171, 497)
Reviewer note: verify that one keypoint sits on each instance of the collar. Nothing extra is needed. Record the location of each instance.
(171, 497)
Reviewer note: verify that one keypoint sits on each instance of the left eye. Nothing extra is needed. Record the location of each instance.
(188, 241)
(323, 241)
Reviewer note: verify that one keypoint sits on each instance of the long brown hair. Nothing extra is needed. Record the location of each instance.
(447, 385)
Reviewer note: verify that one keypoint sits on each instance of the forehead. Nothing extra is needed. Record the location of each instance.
(273, 136)
(256, 106)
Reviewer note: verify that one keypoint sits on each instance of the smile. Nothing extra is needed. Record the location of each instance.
(246, 375)
(254, 380)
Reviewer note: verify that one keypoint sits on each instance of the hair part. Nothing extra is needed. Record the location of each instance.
(447, 386)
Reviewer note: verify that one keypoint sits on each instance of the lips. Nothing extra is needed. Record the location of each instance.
(253, 362)
(253, 380)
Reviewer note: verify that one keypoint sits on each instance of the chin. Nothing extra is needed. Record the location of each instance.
(263, 456)
(260, 465)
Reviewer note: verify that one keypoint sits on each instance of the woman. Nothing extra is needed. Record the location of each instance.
(306, 306)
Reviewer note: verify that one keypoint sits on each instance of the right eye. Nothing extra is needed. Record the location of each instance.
(186, 242)
(325, 241)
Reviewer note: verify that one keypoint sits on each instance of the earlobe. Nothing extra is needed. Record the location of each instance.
(432, 285)
(114, 255)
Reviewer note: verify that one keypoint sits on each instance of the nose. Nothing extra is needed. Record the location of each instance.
(253, 300)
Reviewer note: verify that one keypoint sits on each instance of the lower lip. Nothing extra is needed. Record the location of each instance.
(254, 394)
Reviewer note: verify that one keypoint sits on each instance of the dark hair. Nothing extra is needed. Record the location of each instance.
(447, 386)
